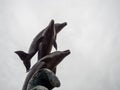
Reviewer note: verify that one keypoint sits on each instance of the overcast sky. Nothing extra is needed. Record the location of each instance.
(92, 35)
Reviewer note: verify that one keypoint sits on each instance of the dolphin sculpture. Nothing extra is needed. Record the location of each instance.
(44, 49)
(49, 40)
(26, 57)
(49, 61)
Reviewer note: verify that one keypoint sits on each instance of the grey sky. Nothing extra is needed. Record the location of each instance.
(92, 35)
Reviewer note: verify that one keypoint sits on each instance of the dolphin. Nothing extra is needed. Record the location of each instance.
(46, 45)
(49, 61)
(26, 57)
(49, 40)
(44, 49)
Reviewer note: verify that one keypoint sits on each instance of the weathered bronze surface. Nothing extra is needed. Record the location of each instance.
(44, 77)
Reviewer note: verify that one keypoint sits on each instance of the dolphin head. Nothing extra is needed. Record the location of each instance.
(60, 54)
(60, 26)
(55, 58)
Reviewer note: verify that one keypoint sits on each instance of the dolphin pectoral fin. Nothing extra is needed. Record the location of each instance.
(55, 45)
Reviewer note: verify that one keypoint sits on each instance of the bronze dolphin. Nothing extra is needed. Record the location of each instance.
(26, 57)
(49, 39)
(49, 61)
(45, 48)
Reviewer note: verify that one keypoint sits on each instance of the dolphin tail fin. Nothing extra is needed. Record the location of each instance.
(22, 55)
(55, 45)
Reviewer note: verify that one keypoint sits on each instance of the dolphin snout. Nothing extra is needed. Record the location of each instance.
(64, 24)
(67, 52)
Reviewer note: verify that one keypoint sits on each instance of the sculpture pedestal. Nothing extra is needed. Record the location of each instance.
(43, 78)
(39, 88)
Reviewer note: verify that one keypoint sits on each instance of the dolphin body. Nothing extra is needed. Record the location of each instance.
(49, 61)
(48, 33)
(46, 45)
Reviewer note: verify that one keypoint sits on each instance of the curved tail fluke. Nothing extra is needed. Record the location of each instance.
(24, 57)
(21, 54)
